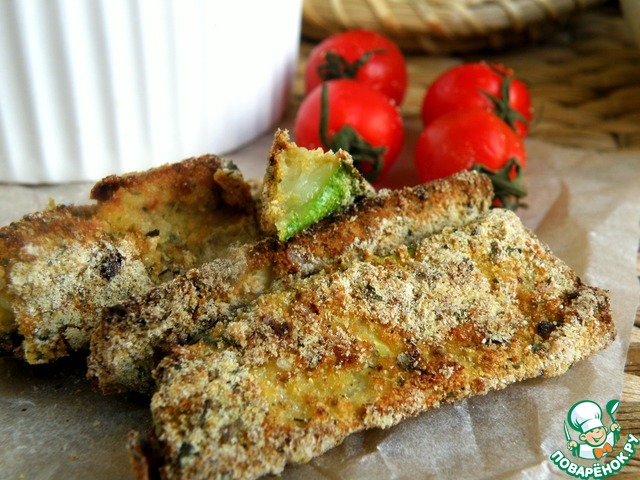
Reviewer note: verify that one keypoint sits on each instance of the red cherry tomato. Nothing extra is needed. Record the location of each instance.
(459, 140)
(479, 85)
(363, 55)
(360, 120)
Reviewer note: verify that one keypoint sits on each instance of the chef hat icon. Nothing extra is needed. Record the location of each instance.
(585, 416)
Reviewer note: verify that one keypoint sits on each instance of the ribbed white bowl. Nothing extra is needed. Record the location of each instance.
(94, 87)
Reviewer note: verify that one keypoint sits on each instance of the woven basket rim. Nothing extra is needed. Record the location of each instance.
(441, 26)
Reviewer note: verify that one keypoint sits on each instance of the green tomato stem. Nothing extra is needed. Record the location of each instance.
(506, 190)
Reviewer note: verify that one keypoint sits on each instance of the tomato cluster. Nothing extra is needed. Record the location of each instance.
(354, 83)
(475, 115)
(481, 85)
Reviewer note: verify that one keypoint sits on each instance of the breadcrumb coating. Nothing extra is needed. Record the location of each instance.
(60, 267)
(134, 335)
(290, 375)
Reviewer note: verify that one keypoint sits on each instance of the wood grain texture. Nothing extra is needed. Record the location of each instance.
(629, 413)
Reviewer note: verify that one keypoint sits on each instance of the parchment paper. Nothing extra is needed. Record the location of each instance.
(585, 205)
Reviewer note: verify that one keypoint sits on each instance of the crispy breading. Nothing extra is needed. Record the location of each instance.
(60, 267)
(132, 336)
(466, 311)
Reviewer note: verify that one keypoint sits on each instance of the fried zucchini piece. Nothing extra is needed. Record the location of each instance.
(470, 310)
(134, 335)
(60, 267)
(302, 186)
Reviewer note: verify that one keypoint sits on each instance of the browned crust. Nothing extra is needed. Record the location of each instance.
(376, 223)
(289, 376)
(133, 336)
(144, 229)
(138, 458)
(172, 176)
(57, 221)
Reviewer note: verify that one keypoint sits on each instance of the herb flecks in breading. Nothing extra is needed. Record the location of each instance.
(444, 330)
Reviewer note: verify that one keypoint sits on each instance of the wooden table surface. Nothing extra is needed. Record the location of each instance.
(629, 413)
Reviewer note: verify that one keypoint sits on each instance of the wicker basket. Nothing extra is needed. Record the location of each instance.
(442, 26)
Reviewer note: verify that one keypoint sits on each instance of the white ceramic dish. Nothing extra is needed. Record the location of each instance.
(94, 87)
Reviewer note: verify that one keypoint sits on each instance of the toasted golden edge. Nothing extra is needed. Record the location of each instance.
(91, 223)
(280, 146)
(574, 325)
(133, 336)
(172, 176)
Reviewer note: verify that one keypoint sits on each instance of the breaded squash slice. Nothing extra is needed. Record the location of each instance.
(60, 267)
(468, 310)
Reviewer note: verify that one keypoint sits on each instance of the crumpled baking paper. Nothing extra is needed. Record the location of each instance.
(585, 205)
